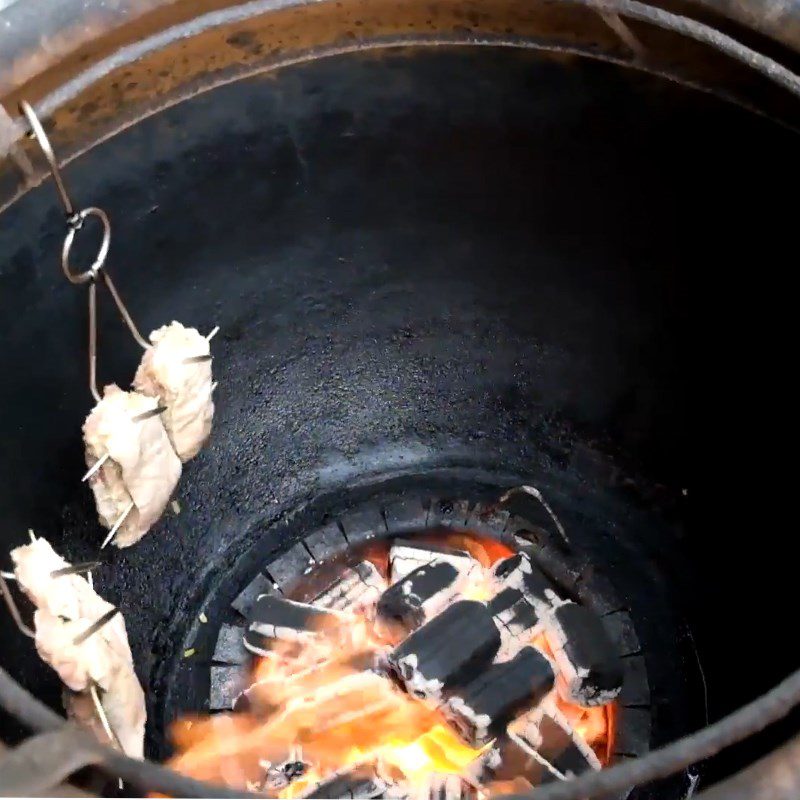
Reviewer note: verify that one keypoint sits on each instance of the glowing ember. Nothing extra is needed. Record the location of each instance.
(329, 705)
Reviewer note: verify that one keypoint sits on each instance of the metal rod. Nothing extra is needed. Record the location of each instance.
(14, 610)
(75, 569)
(126, 317)
(47, 149)
(95, 467)
(95, 626)
(144, 774)
(93, 341)
(213, 333)
(153, 412)
(117, 525)
(197, 359)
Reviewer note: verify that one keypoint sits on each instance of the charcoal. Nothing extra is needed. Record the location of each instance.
(635, 685)
(516, 620)
(405, 556)
(482, 708)
(516, 758)
(355, 588)
(359, 782)
(230, 647)
(587, 660)
(274, 617)
(447, 651)
(519, 572)
(547, 733)
(246, 599)
(423, 593)
(633, 728)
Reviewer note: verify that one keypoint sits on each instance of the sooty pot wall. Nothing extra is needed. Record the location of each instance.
(451, 269)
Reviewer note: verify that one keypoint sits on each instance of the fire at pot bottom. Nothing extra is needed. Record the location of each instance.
(441, 666)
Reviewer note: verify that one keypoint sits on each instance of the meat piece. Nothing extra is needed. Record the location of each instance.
(66, 607)
(171, 371)
(142, 467)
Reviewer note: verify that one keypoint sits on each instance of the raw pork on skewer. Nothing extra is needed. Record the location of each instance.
(66, 608)
(177, 371)
(140, 469)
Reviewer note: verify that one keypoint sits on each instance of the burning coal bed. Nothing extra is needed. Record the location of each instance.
(438, 666)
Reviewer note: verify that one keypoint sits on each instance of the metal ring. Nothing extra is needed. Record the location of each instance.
(75, 223)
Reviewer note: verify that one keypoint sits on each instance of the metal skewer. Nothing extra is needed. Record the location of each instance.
(76, 569)
(95, 467)
(117, 524)
(213, 333)
(153, 412)
(13, 609)
(101, 713)
(95, 626)
(197, 359)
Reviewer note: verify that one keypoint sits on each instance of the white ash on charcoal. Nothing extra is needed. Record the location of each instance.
(275, 618)
(547, 733)
(590, 668)
(422, 594)
(362, 781)
(406, 555)
(517, 621)
(447, 651)
(483, 708)
(355, 588)
(519, 572)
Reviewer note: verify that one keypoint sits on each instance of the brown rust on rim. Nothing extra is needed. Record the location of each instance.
(124, 75)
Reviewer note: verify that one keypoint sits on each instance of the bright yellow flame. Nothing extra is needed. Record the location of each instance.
(315, 697)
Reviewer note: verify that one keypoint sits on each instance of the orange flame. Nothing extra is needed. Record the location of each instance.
(316, 703)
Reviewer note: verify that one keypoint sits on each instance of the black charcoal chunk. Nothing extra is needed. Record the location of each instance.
(482, 708)
(519, 572)
(354, 588)
(287, 569)
(586, 657)
(447, 651)
(247, 597)
(424, 592)
(274, 617)
(553, 741)
(326, 543)
(406, 555)
(230, 647)
(226, 682)
(516, 619)
(504, 601)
